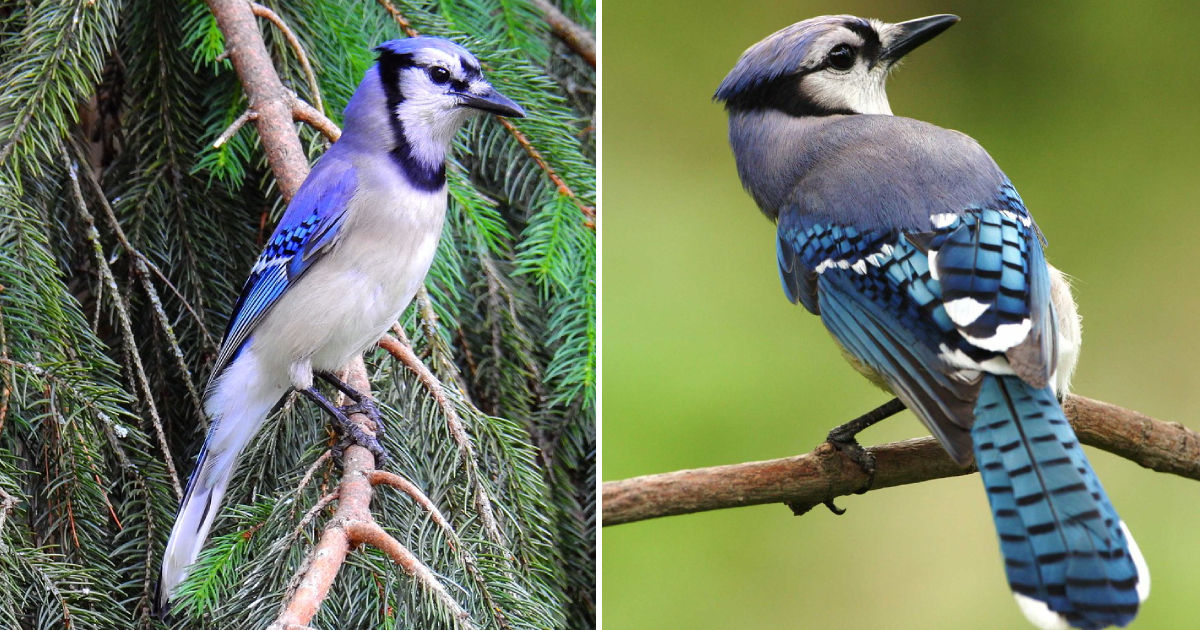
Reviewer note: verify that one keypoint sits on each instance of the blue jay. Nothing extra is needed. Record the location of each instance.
(347, 257)
(925, 266)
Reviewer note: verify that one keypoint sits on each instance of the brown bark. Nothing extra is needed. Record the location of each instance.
(573, 35)
(269, 100)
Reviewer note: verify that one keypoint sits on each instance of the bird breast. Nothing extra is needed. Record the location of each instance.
(346, 301)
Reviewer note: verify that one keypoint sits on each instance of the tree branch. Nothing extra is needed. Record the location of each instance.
(353, 525)
(573, 35)
(301, 56)
(307, 113)
(804, 481)
(269, 100)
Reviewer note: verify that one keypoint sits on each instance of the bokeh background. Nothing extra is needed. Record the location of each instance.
(1093, 110)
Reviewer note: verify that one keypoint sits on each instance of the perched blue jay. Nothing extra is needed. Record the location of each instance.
(926, 267)
(345, 260)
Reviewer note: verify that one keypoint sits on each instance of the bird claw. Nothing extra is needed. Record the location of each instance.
(355, 434)
(845, 443)
(367, 407)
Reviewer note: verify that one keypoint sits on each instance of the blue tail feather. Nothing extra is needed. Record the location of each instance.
(1061, 539)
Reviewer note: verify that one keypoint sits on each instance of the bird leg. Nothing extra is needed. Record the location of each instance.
(843, 438)
(354, 433)
(362, 403)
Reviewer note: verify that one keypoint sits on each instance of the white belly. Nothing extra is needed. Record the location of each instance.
(353, 294)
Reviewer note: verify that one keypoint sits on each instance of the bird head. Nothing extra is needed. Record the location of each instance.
(834, 64)
(435, 79)
(418, 96)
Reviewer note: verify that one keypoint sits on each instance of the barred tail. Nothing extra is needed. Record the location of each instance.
(1070, 559)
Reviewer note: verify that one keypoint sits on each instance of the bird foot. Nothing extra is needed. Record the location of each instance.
(353, 433)
(844, 441)
(368, 408)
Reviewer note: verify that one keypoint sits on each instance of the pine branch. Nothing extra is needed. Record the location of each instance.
(483, 502)
(268, 98)
(353, 525)
(572, 34)
(808, 480)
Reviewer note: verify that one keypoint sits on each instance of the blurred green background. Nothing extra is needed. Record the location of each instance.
(1092, 110)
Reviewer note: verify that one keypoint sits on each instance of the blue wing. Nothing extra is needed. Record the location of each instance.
(930, 331)
(308, 230)
(995, 284)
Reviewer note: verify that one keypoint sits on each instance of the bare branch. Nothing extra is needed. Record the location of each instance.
(268, 98)
(576, 37)
(233, 128)
(313, 87)
(804, 481)
(354, 503)
(369, 532)
(383, 477)
(307, 113)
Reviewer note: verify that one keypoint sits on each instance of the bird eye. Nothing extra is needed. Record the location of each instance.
(841, 57)
(439, 75)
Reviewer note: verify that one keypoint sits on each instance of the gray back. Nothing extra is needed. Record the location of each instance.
(871, 171)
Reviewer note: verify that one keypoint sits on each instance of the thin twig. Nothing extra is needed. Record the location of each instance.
(576, 37)
(384, 477)
(268, 98)
(588, 211)
(370, 533)
(141, 267)
(312, 470)
(825, 474)
(7, 503)
(233, 128)
(126, 323)
(402, 21)
(312, 512)
(313, 87)
(304, 112)
(4, 377)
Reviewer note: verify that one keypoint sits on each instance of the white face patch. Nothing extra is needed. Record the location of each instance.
(859, 89)
(431, 111)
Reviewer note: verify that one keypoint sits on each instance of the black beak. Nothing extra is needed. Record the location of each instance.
(913, 33)
(491, 102)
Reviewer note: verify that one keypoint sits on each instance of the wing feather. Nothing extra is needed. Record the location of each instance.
(930, 311)
(308, 230)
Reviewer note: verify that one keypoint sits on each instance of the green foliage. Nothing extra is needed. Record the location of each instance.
(124, 236)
